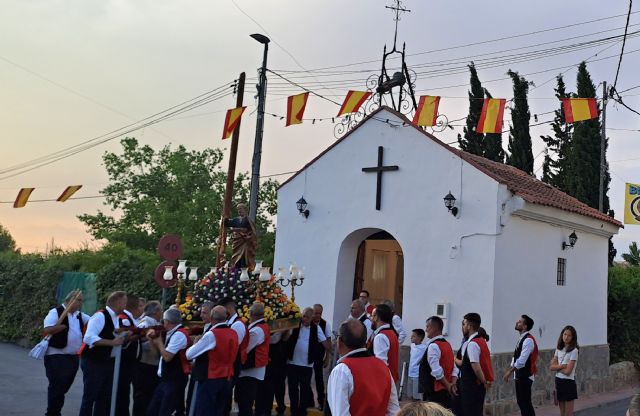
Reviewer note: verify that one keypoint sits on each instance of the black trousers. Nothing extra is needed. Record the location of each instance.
(472, 398)
(212, 396)
(523, 397)
(441, 397)
(125, 377)
(318, 373)
(299, 383)
(247, 388)
(274, 385)
(61, 370)
(97, 376)
(167, 397)
(145, 381)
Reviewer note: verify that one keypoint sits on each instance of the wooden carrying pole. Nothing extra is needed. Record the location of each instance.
(231, 174)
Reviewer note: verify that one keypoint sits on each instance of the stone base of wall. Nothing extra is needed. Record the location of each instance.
(593, 375)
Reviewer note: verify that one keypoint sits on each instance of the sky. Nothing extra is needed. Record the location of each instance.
(73, 70)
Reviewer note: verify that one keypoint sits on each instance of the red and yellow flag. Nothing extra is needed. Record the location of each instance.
(68, 193)
(231, 121)
(295, 108)
(353, 101)
(579, 109)
(491, 116)
(427, 111)
(23, 197)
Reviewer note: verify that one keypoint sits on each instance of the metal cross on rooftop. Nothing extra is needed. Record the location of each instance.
(397, 7)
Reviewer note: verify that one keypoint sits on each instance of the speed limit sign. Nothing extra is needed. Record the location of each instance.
(170, 247)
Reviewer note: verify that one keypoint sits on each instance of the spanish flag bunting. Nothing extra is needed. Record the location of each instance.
(491, 116)
(23, 197)
(353, 101)
(68, 193)
(231, 121)
(579, 109)
(427, 111)
(295, 108)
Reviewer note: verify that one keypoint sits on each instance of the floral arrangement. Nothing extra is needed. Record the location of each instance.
(226, 283)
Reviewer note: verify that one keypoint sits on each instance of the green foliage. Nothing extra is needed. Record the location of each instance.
(521, 155)
(633, 256)
(554, 168)
(173, 192)
(7, 243)
(623, 323)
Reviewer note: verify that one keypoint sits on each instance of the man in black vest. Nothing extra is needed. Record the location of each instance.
(145, 377)
(523, 365)
(359, 312)
(300, 353)
(130, 353)
(61, 360)
(97, 356)
(321, 358)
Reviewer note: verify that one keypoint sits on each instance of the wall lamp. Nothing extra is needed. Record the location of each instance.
(301, 204)
(450, 203)
(572, 241)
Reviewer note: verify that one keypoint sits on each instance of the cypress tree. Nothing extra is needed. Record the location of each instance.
(493, 143)
(521, 155)
(583, 160)
(473, 142)
(554, 168)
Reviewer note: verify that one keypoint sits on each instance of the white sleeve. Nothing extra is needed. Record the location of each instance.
(399, 327)
(339, 390)
(367, 324)
(256, 337)
(321, 336)
(240, 329)
(381, 346)
(51, 319)
(394, 406)
(433, 357)
(574, 355)
(327, 331)
(473, 352)
(206, 343)
(177, 342)
(527, 349)
(94, 327)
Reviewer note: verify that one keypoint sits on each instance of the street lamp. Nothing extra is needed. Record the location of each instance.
(183, 278)
(295, 279)
(257, 147)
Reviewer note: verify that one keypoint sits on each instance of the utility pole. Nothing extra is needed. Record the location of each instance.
(603, 139)
(231, 175)
(257, 147)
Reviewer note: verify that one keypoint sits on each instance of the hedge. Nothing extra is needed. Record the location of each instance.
(623, 322)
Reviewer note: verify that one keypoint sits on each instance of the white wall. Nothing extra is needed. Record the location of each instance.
(342, 203)
(526, 281)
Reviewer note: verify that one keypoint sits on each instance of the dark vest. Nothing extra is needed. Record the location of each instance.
(319, 352)
(530, 366)
(101, 353)
(172, 370)
(60, 339)
(467, 375)
(313, 342)
(131, 350)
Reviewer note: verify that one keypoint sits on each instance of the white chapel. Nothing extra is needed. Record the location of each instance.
(508, 244)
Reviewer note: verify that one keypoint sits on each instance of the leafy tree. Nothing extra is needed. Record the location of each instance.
(554, 168)
(473, 142)
(521, 155)
(583, 160)
(173, 192)
(7, 243)
(633, 256)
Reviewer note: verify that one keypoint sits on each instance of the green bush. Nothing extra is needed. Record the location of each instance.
(623, 322)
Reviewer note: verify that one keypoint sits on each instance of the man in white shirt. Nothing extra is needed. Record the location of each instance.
(253, 370)
(360, 383)
(241, 329)
(321, 358)
(97, 356)
(205, 315)
(130, 350)
(145, 378)
(523, 365)
(396, 322)
(61, 360)
(359, 313)
(300, 352)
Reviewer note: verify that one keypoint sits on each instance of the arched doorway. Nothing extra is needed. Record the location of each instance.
(379, 269)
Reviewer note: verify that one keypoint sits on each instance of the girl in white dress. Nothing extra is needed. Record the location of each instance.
(564, 364)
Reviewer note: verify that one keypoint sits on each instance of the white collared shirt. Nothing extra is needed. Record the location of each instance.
(96, 325)
(381, 344)
(397, 325)
(473, 347)
(176, 341)
(256, 337)
(415, 357)
(367, 324)
(237, 325)
(527, 349)
(74, 336)
(340, 389)
(204, 344)
(301, 349)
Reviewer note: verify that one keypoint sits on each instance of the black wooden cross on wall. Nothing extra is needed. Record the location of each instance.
(379, 169)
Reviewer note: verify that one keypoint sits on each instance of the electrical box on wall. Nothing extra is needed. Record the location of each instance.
(442, 311)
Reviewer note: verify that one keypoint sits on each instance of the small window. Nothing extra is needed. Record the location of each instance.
(562, 271)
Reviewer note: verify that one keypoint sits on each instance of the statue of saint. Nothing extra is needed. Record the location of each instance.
(244, 240)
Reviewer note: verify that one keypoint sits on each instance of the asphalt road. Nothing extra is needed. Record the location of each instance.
(23, 385)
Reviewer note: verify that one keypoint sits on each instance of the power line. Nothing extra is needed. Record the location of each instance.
(623, 43)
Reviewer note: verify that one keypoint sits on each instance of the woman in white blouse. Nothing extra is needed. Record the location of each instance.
(564, 364)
